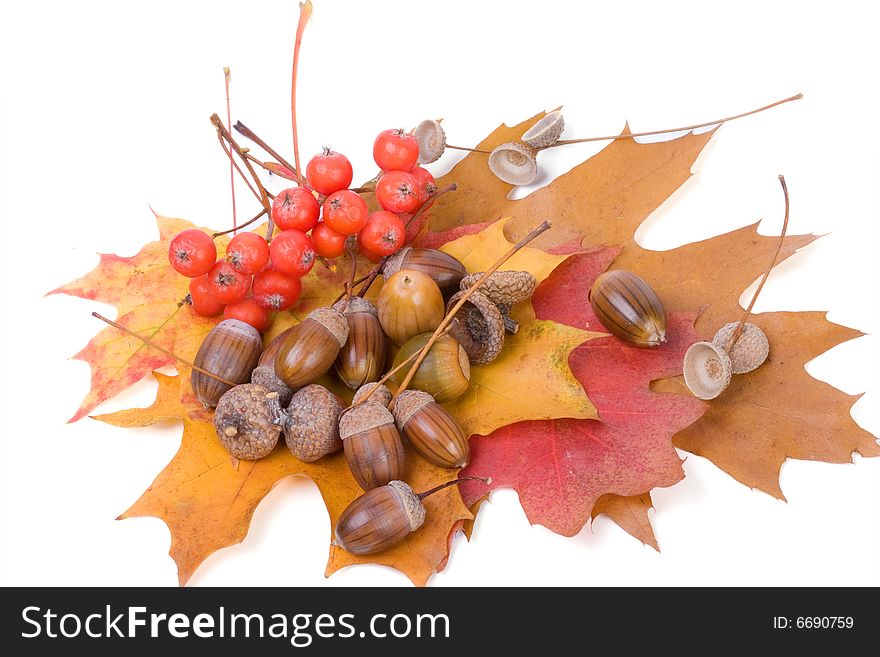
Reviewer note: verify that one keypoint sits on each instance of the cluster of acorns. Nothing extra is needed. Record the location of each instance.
(262, 394)
(258, 277)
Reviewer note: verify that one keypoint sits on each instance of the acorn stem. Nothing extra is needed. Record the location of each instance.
(464, 297)
(226, 76)
(705, 124)
(485, 480)
(235, 228)
(305, 11)
(742, 322)
(246, 132)
(465, 148)
(171, 354)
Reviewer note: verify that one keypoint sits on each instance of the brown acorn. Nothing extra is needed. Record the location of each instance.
(410, 303)
(627, 306)
(231, 351)
(362, 358)
(446, 270)
(372, 444)
(446, 371)
(431, 429)
(264, 374)
(384, 516)
(480, 327)
(310, 347)
(245, 423)
(311, 423)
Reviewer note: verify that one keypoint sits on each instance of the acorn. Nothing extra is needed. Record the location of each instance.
(479, 327)
(311, 347)
(627, 307)
(750, 349)
(372, 444)
(311, 423)
(362, 358)
(384, 516)
(410, 303)
(381, 396)
(231, 351)
(445, 372)
(546, 131)
(264, 374)
(707, 370)
(432, 141)
(245, 423)
(431, 429)
(446, 270)
(514, 163)
(505, 289)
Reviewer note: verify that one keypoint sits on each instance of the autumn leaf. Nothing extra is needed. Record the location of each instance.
(561, 468)
(207, 500)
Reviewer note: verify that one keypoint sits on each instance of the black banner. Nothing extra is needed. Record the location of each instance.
(427, 621)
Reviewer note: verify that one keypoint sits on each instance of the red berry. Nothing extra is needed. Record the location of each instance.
(295, 208)
(292, 253)
(226, 284)
(345, 212)
(397, 192)
(192, 252)
(328, 243)
(424, 183)
(202, 299)
(329, 172)
(383, 234)
(276, 291)
(248, 253)
(395, 150)
(248, 311)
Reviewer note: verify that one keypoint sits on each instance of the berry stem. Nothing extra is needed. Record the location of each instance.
(629, 135)
(226, 76)
(305, 10)
(451, 187)
(467, 294)
(224, 135)
(244, 177)
(742, 322)
(245, 224)
(247, 133)
(171, 354)
(454, 482)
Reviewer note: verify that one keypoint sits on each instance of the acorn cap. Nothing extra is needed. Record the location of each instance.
(244, 423)
(264, 375)
(332, 320)
(707, 370)
(412, 505)
(368, 415)
(432, 140)
(750, 349)
(503, 287)
(381, 396)
(355, 305)
(480, 328)
(395, 262)
(311, 429)
(407, 404)
(513, 163)
(546, 131)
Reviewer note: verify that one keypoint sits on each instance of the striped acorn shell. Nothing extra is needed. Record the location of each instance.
(627, 306)
(231, 351)
(379, 519)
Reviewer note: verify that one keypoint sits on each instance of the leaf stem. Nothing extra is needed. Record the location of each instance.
(450, 315)
(171, 354)
(305, 10)
(485, 480)
(742, 322)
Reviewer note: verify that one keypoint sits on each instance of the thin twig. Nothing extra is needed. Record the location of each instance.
(465, 148)
(243, 175)
(464, 297)
(742, 322)
(244, 225)
(152, 344)
(226, 76)
(485, 480)
(242, 129)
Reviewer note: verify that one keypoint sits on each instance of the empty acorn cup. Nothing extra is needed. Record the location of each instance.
(707, 370)
(514, 163)
(432, 141)
(546, 131)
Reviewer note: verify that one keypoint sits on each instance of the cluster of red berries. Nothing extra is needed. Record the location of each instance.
(257, 277)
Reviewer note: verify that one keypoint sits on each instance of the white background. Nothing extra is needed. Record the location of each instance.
(105, 109)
